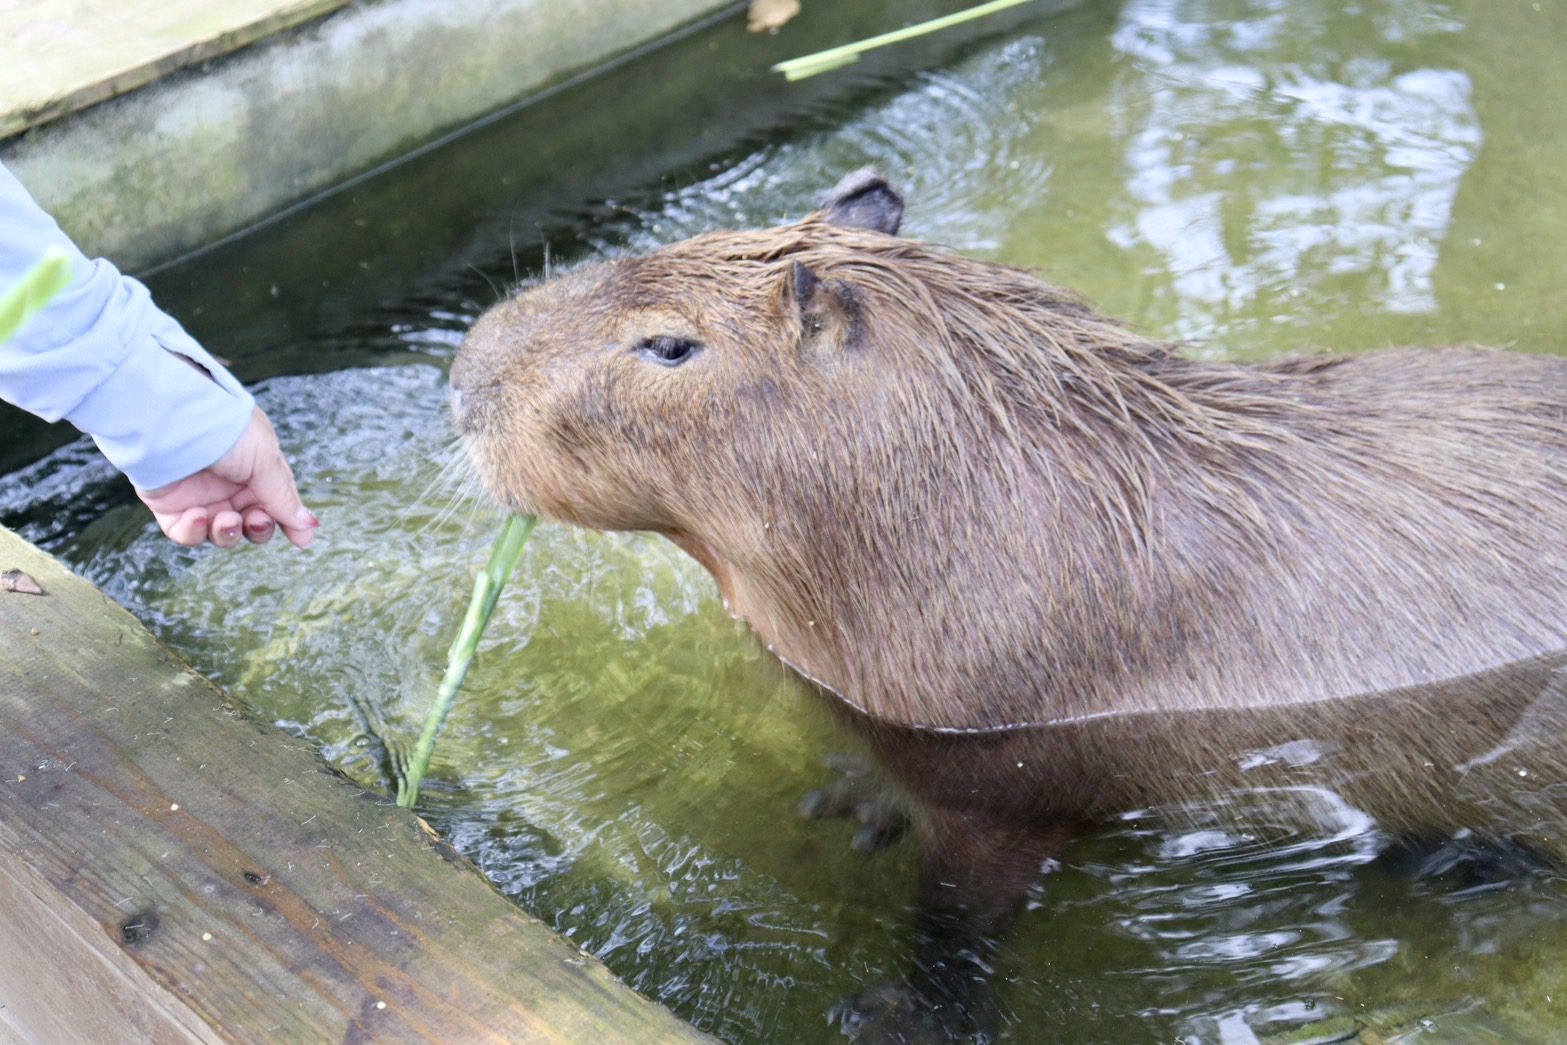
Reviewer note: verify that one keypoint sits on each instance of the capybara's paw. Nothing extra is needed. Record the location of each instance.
(1468, 863)
(896, 1014)
(860, 793)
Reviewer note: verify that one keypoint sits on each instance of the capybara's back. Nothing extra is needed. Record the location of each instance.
(1048, 565)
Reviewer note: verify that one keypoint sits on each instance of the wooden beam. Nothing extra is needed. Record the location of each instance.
(172, 869)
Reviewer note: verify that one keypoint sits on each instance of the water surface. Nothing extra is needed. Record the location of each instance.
(1255, 176)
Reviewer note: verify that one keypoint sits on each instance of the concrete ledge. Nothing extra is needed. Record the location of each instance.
(204, 153)
(65, 55)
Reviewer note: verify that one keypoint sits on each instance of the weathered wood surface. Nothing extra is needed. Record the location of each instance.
(57, 56)
(173, 870)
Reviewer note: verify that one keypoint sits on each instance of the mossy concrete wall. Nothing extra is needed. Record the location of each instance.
(212, 150)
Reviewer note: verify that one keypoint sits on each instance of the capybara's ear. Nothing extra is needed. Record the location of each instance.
(864, 200)
(829, 310)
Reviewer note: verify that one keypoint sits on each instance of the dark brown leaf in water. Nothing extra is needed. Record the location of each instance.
(16, 580)
(769, 15)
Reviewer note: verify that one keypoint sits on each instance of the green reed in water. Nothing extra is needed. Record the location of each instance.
(486, 592)
(823, 61)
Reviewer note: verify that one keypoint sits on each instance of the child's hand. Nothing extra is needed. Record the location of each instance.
(247, 492)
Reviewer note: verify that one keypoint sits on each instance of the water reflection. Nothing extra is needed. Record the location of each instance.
(955, 141)
(1288, 144)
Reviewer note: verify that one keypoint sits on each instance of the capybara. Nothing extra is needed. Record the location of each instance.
(1052, 569)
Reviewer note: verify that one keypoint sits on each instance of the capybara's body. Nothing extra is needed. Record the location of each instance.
(1051, 568)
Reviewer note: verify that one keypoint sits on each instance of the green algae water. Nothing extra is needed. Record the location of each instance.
(1254, 176)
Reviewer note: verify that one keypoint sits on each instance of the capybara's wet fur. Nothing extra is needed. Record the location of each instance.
(1051, 568)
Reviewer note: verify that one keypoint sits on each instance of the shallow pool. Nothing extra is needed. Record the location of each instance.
(1256, 176)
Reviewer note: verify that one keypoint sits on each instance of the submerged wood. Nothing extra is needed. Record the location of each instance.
(172, 869)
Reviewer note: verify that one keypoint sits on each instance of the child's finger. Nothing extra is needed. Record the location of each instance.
(188, 527)
(259, 526)
(225, 530)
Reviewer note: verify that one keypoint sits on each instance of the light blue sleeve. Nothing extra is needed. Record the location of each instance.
(102, 356)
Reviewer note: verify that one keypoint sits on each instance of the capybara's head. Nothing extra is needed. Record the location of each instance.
(616, 395)
(806, 365)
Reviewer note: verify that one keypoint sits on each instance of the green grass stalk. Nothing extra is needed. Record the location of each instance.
(486, 592)
(822, 61)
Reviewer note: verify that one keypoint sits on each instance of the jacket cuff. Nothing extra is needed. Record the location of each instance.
(159, 419)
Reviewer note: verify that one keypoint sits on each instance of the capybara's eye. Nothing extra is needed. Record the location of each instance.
(670, 351)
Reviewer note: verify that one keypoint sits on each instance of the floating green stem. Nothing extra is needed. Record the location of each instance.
(822, 61)
(486, 592)
(32, 292)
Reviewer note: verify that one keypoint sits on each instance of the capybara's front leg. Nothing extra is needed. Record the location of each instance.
(864, 794)
(974, 875)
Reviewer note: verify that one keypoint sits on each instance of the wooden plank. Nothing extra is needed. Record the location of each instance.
(174, 870)
(58, 56)
(70, 985)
